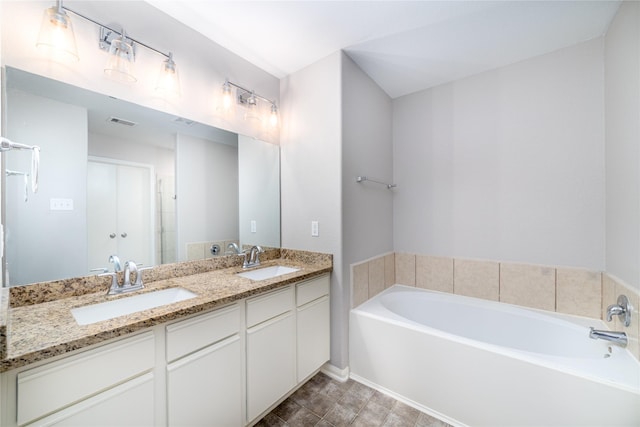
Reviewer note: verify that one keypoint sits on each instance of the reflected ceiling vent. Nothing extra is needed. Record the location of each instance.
(120, 121)
(183, 121)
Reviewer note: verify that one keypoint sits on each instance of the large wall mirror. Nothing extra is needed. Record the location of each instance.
(119, 179)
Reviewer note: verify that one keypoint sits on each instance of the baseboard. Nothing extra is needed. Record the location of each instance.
(334, 372)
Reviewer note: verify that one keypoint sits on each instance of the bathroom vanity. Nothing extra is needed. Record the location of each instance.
(223, 358)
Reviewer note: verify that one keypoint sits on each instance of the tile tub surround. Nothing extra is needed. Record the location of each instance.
(39, 330)
(325, 402)
(565, 290)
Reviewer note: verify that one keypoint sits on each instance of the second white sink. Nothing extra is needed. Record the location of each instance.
(89, 314)
(267, 272)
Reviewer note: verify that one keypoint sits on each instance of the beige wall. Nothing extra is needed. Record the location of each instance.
(310, 159)
(622, 150)
(507, 164)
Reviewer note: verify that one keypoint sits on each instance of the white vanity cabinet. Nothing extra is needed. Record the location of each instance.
(113, 383)
(270, 349)
(222, 368)
(312, 325)
(204, 370)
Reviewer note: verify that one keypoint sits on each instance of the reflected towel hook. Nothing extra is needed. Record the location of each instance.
(26, 181)
(6, 145)
(364, 178)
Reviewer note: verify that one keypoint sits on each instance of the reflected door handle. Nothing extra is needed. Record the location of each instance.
(112, 235)
(123, 235)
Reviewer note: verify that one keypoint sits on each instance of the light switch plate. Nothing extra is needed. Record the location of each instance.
(253, 226)
(315, 232)
(61, 204)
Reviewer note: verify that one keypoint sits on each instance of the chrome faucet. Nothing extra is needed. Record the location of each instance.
(622, 309)
(127, 286)
(233, 247)
(618, 338)
(254, 256)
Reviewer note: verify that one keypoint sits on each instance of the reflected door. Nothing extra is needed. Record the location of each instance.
(119, 213)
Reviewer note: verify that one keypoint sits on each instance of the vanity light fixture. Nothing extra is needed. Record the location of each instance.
(250, 100)
(56, 34)
(56, 27)
(120, 62)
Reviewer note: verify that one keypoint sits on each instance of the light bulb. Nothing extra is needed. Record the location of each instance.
(56, 35)
(227, 96)
(273, 117)
(168, 79)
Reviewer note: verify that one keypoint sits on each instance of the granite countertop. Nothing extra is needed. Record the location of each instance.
(37, 331)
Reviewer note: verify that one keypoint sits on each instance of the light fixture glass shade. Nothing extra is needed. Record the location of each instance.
(120, 63)
(56, 35)
(273, 116)
(227, 96)
(252, 112)
(168, 82)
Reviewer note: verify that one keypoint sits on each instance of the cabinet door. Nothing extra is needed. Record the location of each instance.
(270, 363)
(312, 335)
(129, 404)
(204, 389)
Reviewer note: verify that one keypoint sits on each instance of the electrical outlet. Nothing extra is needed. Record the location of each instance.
(315, 232)
(253, 226)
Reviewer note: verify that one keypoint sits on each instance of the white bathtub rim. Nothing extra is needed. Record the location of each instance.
(406, 401)
(583, 368)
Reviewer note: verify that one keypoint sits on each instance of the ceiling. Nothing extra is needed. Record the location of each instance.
(405, 46)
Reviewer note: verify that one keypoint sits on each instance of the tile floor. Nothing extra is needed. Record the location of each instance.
(325, 402)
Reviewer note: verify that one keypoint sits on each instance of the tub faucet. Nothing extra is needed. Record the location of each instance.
(618, 338)
(234, 249)
(622, 308)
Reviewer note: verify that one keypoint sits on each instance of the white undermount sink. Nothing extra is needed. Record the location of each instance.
(89, 314)
(267, 272)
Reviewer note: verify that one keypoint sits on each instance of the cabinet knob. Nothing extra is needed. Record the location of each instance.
(112, 235)
(123, 235)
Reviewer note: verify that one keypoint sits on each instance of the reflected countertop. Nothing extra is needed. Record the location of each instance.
(33, 331)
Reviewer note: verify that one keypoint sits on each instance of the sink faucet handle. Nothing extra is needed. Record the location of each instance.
(114, 279)
(129, 267)
(139, 276)
(116, 263)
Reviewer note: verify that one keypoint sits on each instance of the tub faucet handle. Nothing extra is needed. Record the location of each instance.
(622, 308)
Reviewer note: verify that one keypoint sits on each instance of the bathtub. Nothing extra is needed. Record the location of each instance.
(472, 362)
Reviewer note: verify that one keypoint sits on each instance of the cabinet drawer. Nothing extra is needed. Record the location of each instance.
(312, 290)
(50, 387)
(193, 334)
(127, 405)
(268, 306)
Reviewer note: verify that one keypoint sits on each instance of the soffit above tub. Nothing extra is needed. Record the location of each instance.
(405, 46)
